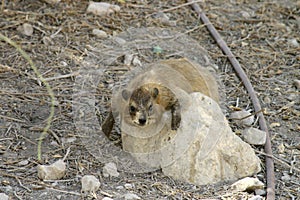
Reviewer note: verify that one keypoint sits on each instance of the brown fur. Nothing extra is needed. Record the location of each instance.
(143, 98)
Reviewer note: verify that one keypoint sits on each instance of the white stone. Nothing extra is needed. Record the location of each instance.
(52, 1)
(23, 163)
(256, 197)
(129, 186)
(107, 198)
(3, 196)
(254, 136)
(204, 150)
(110, 169)
(294, 42)
(297, 84)
(54, 171)
(102, 8)
(89, 183)
(130, 196)
(239, 115)
(260, 192)
(99, 33)
(26, 29)
(248, 183)
(120, 41)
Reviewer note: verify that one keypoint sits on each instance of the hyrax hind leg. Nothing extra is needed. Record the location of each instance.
(176, 116)
(108, 124)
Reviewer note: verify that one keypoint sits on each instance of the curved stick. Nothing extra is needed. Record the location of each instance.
(253, 96)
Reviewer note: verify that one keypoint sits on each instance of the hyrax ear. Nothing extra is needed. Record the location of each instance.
(155, 92)
(125, 94)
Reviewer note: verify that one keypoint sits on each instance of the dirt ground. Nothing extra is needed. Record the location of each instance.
(264, 36)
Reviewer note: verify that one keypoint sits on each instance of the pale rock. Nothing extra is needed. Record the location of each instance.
(136, 61)
(3, 196)
(99, 33)
(129, 186)
(66, 140)
(204, 150)
(52, 1)
(120, 187)
(89, 183)
(128, 59)
(256, 197)
(110, 169)
(238, 118)
(164, 19)
(245, 14)
(131, 196)
(286, 177)
(297, 84)
(26, 29)
(102, 8)
(120, 41)
(47, 41)
(254, 136)
(54, 171)
(23, 163)
(247, 184)
(107, 198)
(294, 42)
(260, 192)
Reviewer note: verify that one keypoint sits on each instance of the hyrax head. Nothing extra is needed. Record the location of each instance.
(140, 104)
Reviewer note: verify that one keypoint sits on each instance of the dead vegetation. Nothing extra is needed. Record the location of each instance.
(264, 36)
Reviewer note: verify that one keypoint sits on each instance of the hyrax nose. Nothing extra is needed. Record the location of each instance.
(142, 121)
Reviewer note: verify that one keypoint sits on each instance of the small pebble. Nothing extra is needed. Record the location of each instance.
(89, 183)
(247, 184)
(120, 41)
(3, 196)
(254, 136)
(260, 192)
(286, 177)
(120, 187)
(47, 40)
(239, 115)
(128, 186)
(274, 124)
(107, 198)
(245, 14)
(110, 169)
(130, 196)
(297, 84)
(23, 163)
(99, 33)
(26, 29)
(102, 8)
(52, 1)
(294, 42)
(256, 197)
(54, 171)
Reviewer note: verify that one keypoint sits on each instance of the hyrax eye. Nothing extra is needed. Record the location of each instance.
(132, 109)
(150, 107)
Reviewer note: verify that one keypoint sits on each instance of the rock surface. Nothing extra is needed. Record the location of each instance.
(241, 119)
(110, 169)
(102, 8)
(54, 171)
(3, 196)
(89, 183)
(247, 184)
(204, 150)
(254, 136)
